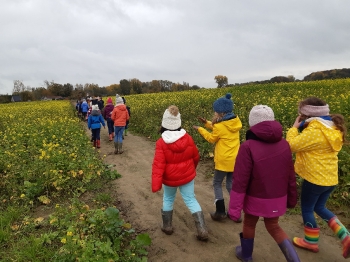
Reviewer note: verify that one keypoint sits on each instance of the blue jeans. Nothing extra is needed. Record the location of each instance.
(118, 134)
(187, 193)
(313, 199)
(110, 125)
(217, 183)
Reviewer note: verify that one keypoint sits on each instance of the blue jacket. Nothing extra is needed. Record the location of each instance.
(84, 107)
(95, 120)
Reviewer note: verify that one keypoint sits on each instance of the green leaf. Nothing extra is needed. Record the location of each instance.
(144, 239)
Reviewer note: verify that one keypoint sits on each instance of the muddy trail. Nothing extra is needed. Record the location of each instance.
(142, 208)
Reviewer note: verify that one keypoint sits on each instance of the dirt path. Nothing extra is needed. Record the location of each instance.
(142, 208)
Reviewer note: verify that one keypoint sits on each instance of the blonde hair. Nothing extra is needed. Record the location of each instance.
(174, 110)
(217, 118)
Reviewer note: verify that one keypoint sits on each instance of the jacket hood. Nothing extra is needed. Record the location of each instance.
(121, 107)
(268, 131)
(333, 136)
(170, 137)
(232, 125)
(95, 112)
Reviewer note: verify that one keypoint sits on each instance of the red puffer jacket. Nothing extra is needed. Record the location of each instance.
(175, 160)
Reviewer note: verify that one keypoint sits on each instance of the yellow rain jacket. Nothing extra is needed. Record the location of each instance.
(226, 136)
(316, 151)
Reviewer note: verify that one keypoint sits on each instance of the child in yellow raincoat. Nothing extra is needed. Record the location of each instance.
(225, 127)
(317, 137)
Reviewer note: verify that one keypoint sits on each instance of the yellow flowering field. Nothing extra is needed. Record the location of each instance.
(147, 109)
(43, 151)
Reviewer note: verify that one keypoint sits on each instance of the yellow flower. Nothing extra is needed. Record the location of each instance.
(64, 240)
(69, 233)
(23, 195)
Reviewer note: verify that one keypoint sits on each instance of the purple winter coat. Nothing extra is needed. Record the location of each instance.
(107, 111)
(264, 181)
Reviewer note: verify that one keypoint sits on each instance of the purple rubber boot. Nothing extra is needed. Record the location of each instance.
(245, 250)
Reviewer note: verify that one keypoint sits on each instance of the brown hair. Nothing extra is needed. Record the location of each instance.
(337, 119)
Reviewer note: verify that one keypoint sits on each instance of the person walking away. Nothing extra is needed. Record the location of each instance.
(94, 124)
(119, 116)
(174, 166)
(127, 122)
(225, 128)
(107, 113)
(100, 103)
(316, 138)
(77, 106)
(84, 109)
(264, 183)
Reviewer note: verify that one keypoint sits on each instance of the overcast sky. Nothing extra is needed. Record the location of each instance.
(102, 42)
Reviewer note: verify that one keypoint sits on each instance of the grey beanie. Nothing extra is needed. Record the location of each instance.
(118, 100)
(260, 113)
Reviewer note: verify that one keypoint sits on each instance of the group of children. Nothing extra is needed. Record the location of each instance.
(260, 173)
(117, 118)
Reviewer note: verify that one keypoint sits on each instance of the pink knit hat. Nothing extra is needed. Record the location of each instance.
(309, 110)
(109, 100)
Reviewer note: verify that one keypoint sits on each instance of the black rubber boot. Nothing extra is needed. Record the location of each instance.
(202, 231)
(220, 213)
(167, 217)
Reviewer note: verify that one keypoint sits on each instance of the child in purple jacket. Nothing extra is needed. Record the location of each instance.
(264, 183)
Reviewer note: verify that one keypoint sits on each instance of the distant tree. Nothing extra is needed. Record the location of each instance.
(155, 86)
(291, 78)
(91, 89)
(280, 79)
(194, 87)
(136, 86)
(67, 90)
(125, 87)
(18, 87)
(221, 80)
(328, 74)
(39, 92)
(165, 85)
(113, 89)
(26, 96)
(54, 88)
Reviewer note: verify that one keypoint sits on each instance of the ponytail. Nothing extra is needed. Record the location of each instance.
(339, 122)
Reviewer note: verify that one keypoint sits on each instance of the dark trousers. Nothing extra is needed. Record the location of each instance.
(96, 133)
(110, 125)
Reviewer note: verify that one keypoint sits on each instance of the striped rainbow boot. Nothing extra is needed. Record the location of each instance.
(310, 241)
(342, 233)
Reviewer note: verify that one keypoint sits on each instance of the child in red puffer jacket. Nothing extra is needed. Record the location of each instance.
(174, 166)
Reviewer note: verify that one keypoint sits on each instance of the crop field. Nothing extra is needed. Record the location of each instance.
(47, 160)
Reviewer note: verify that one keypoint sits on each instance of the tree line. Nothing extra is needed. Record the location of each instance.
(125, 87)
(135, 86)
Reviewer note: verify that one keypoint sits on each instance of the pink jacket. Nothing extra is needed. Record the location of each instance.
(264, 181)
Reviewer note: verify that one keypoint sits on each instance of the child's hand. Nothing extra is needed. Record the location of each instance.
(203, 120)
(297, 122)
(196, 127)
